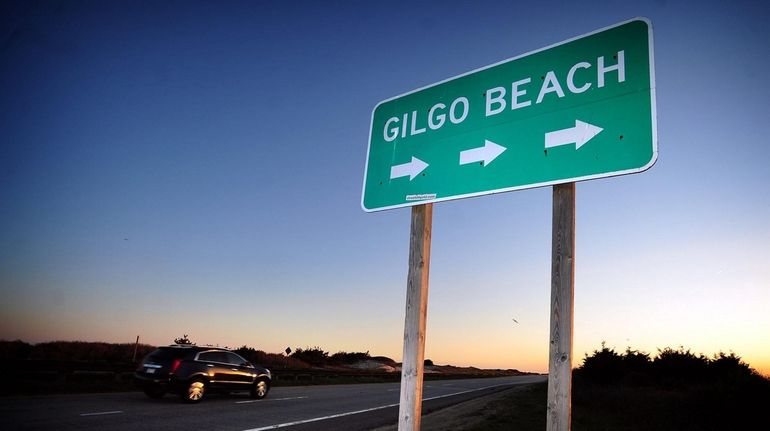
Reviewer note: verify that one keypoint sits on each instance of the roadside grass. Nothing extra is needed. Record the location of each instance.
(699, 406)
(674, 391)
(600, 407)
(521, 410)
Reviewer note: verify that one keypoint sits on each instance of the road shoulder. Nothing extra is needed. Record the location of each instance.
(466, 415)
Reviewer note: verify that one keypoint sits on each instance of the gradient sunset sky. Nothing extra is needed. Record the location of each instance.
(190, 167)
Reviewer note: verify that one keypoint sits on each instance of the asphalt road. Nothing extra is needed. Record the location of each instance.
(334, 407)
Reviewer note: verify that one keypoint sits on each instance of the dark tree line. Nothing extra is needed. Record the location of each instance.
(669, 367)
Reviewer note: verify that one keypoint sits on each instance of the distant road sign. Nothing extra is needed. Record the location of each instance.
(577, 110)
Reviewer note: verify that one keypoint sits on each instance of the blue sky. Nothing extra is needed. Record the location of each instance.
(172, 168)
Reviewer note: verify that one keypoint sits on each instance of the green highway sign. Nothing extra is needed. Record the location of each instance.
(577, 110)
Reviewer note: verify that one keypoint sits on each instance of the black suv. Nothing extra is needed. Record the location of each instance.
(192, 371)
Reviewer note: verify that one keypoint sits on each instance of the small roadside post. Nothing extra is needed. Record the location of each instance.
(578, 110)
(136, 347)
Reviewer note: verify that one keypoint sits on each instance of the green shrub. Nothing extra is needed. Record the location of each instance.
(314, 356)
(347, 358)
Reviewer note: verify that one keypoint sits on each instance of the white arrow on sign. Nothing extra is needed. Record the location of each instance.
(487, 153)
(411, 169)
(579, 135)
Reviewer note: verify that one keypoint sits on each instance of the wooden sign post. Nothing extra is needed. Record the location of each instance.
(410, 407)
(562, 295)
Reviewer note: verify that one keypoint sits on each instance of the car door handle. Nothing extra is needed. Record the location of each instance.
(210, 365)
(234, 369)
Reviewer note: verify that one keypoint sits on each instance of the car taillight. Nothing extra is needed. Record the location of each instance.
(175, 365)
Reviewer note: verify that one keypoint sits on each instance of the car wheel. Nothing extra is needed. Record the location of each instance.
(154, 391)
(194, 391)
(259, 389)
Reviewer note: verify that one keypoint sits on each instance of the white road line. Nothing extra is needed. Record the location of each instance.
(271, 399)
(114, 412)
(288, 424)
(339, 415)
